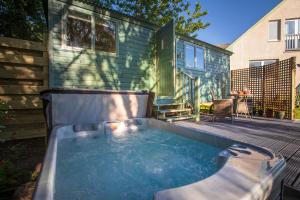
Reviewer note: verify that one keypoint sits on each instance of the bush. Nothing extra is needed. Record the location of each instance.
(3, 112)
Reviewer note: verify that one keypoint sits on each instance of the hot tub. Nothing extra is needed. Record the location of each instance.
(143, 158)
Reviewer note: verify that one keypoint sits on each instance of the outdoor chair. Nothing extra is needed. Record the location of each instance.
(223, 108)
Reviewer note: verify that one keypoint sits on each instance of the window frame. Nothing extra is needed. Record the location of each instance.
(297, 26)
(65, 31)
(278, 30)
(93, 16)
(105, 24)
(195, 68)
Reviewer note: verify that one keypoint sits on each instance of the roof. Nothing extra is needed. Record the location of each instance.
(223, 46)
(200, 42)
(265, 16)
(91, 5)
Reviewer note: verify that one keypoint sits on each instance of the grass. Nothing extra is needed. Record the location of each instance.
(297, 113)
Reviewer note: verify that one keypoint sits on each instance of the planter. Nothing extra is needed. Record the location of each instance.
(254, 112)
(269, 113)
(260, 113)
(280, 114)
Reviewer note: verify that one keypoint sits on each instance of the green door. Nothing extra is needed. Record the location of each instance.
(165, 48)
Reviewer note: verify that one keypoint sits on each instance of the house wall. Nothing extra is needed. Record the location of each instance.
(216, 73)
(131, 68)
(254, 44)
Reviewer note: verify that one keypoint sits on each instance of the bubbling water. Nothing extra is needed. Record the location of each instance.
(133, 165)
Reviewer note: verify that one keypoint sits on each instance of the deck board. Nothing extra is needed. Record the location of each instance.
(281, 137)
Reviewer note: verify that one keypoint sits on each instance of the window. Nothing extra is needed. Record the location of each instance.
(292, 27)
(189, 56)
(200, 58)
(274, 30)
(105, 36)
(259, 63)
(194, 57)
(292, 34)
(78, 30)
(80, 33)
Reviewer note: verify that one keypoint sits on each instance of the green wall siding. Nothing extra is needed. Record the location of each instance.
(134, 65)
(132, 68)
(216, 74)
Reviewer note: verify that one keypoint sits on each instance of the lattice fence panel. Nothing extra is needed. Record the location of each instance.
(256, 86)
(239, 79)
(271, 85)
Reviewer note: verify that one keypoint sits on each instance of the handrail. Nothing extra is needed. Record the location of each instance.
(185, 73)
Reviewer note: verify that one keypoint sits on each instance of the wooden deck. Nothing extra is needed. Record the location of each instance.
(282, 137)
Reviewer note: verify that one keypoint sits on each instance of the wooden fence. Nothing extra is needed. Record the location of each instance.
(23, 74)
(273, 86)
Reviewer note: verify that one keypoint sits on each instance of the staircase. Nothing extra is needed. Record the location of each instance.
(184, 105)
(172, 111)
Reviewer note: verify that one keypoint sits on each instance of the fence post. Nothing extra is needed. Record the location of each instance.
(263, 90)
(293, 86)
(197, 98)
(45, 57)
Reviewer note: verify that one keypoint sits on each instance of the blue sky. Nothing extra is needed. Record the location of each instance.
(230, 18)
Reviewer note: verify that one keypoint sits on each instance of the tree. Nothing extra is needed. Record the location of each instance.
(23, 19)
(188, 20)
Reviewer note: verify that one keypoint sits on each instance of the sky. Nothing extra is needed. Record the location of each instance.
(230, 18)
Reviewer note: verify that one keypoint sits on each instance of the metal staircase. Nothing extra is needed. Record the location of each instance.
(184, 104)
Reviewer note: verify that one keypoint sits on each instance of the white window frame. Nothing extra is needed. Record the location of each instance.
(195, 59)
(93, 16)
(278, 31)
(292, 41)
(297, 28)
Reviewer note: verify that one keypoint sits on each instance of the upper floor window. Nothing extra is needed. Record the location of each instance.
(79, 30)
(292, 26)
(80, 33)
(274, 30)
(194, 57)
(292, 34)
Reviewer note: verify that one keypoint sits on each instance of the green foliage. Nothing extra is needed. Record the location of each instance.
(22, 19)
(297, 113)
(187, 16)
(25, 19)
(12, 175)
(3, 112)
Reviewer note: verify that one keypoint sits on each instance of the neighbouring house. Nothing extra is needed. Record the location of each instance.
(93, 47)
(274, 37)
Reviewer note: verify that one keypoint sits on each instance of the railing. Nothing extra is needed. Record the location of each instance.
(188, 90)
(185, 87)
(292, 42)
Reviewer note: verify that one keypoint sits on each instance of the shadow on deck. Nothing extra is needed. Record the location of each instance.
(282, 137)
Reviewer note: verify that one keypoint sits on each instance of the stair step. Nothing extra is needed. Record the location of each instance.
(179, 118)
(175, 110)
(168, 104)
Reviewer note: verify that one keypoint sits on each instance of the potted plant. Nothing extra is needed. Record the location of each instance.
(254, 111)
(269, 113)
(280, 114)
(260, 113)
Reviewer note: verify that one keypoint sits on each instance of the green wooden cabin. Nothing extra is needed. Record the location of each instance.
(92, 47)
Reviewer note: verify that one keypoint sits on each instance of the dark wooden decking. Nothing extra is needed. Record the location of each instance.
(282, 137)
